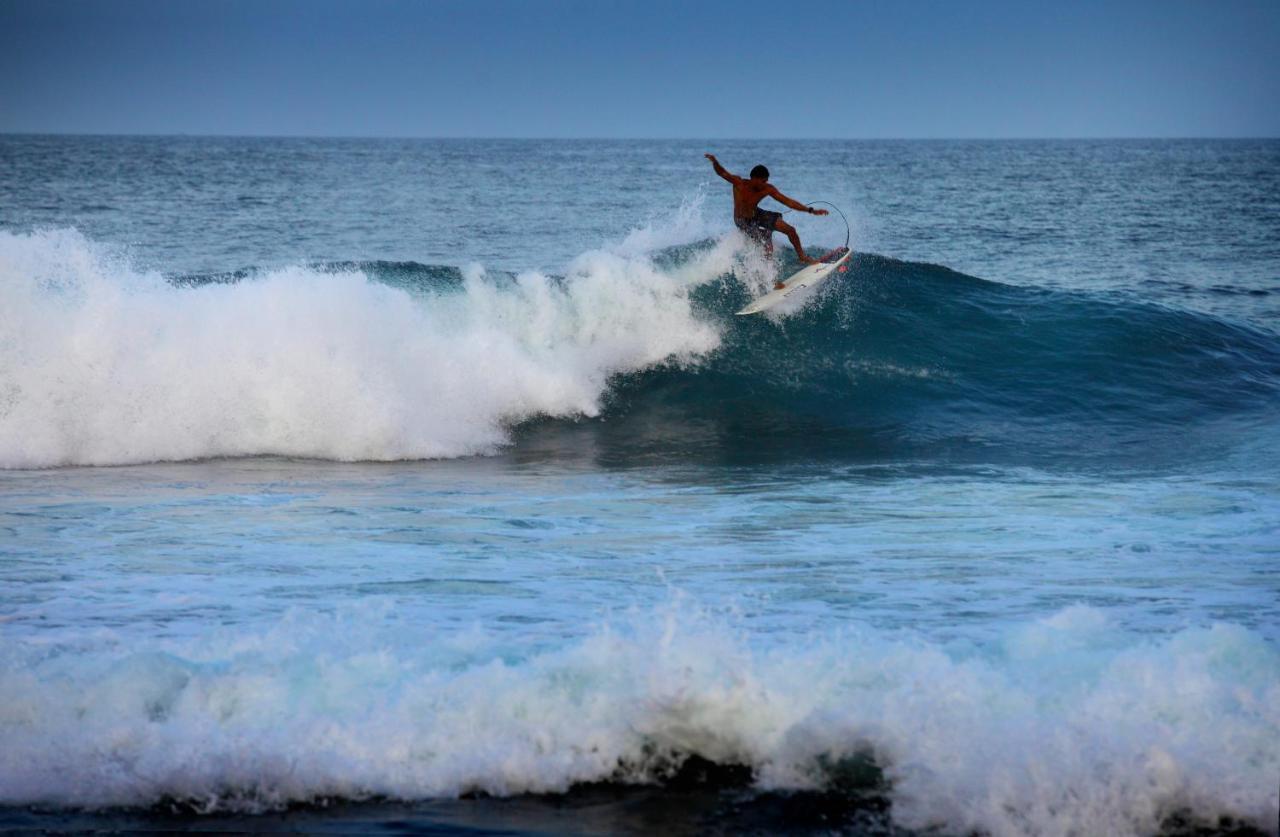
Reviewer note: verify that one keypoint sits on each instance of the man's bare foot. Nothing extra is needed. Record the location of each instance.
(779, 286)
(807, 260)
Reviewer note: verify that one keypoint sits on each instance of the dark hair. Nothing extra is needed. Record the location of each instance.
(760, 171)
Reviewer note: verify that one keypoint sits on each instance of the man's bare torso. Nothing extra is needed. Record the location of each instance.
(747, 195)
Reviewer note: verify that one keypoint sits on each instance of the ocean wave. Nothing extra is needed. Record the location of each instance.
(896, 360)
(1066, 725)
(103, 364)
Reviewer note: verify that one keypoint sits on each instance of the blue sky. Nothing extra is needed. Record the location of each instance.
(595, 68)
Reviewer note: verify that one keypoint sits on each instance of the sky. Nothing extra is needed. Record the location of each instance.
(615, 68)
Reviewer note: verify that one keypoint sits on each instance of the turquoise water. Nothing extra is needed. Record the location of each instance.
(380, 473)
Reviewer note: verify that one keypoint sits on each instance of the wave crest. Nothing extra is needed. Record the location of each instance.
(1066, 725)
(101, 364)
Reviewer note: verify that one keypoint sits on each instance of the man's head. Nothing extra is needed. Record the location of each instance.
(759, 173)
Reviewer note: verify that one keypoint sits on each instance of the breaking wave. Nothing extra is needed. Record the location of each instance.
(103, 364)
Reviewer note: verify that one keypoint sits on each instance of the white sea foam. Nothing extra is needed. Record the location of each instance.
(1068, 726)
(103, 364)
(686, 225)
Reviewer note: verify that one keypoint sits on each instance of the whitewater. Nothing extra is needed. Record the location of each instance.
(318, 515)
(306, 362)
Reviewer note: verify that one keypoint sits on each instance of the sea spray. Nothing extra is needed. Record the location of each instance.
(101, 364)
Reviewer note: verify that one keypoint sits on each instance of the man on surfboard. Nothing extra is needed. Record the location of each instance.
(758, 223)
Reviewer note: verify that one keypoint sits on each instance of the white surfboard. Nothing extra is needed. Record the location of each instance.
(806, 277)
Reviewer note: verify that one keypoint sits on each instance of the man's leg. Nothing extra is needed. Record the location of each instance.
(790, 232)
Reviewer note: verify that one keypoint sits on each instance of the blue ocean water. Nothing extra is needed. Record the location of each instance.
(386, 475)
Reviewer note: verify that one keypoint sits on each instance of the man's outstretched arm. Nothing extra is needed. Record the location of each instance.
(794, 204)
(721, 170)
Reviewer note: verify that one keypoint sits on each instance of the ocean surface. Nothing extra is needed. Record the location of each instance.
(433, 485)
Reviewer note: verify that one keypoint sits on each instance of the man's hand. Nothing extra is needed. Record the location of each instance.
(813, 211)
(711, 157)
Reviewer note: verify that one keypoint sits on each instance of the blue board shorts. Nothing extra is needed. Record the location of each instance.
(760, 225)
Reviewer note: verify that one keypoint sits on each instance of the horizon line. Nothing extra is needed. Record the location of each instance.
(1028, 138)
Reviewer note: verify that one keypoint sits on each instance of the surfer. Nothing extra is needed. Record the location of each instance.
(758, 223)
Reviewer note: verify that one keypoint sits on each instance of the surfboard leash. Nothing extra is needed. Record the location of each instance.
(847, 232)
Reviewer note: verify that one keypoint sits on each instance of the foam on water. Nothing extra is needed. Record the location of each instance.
(101, 364)
(1065, 725)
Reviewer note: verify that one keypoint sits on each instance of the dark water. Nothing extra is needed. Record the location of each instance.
(433, 485)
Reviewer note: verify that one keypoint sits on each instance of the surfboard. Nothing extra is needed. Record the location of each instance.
(806, 277)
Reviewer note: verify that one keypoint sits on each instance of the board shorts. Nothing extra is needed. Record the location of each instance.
(760, 225)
